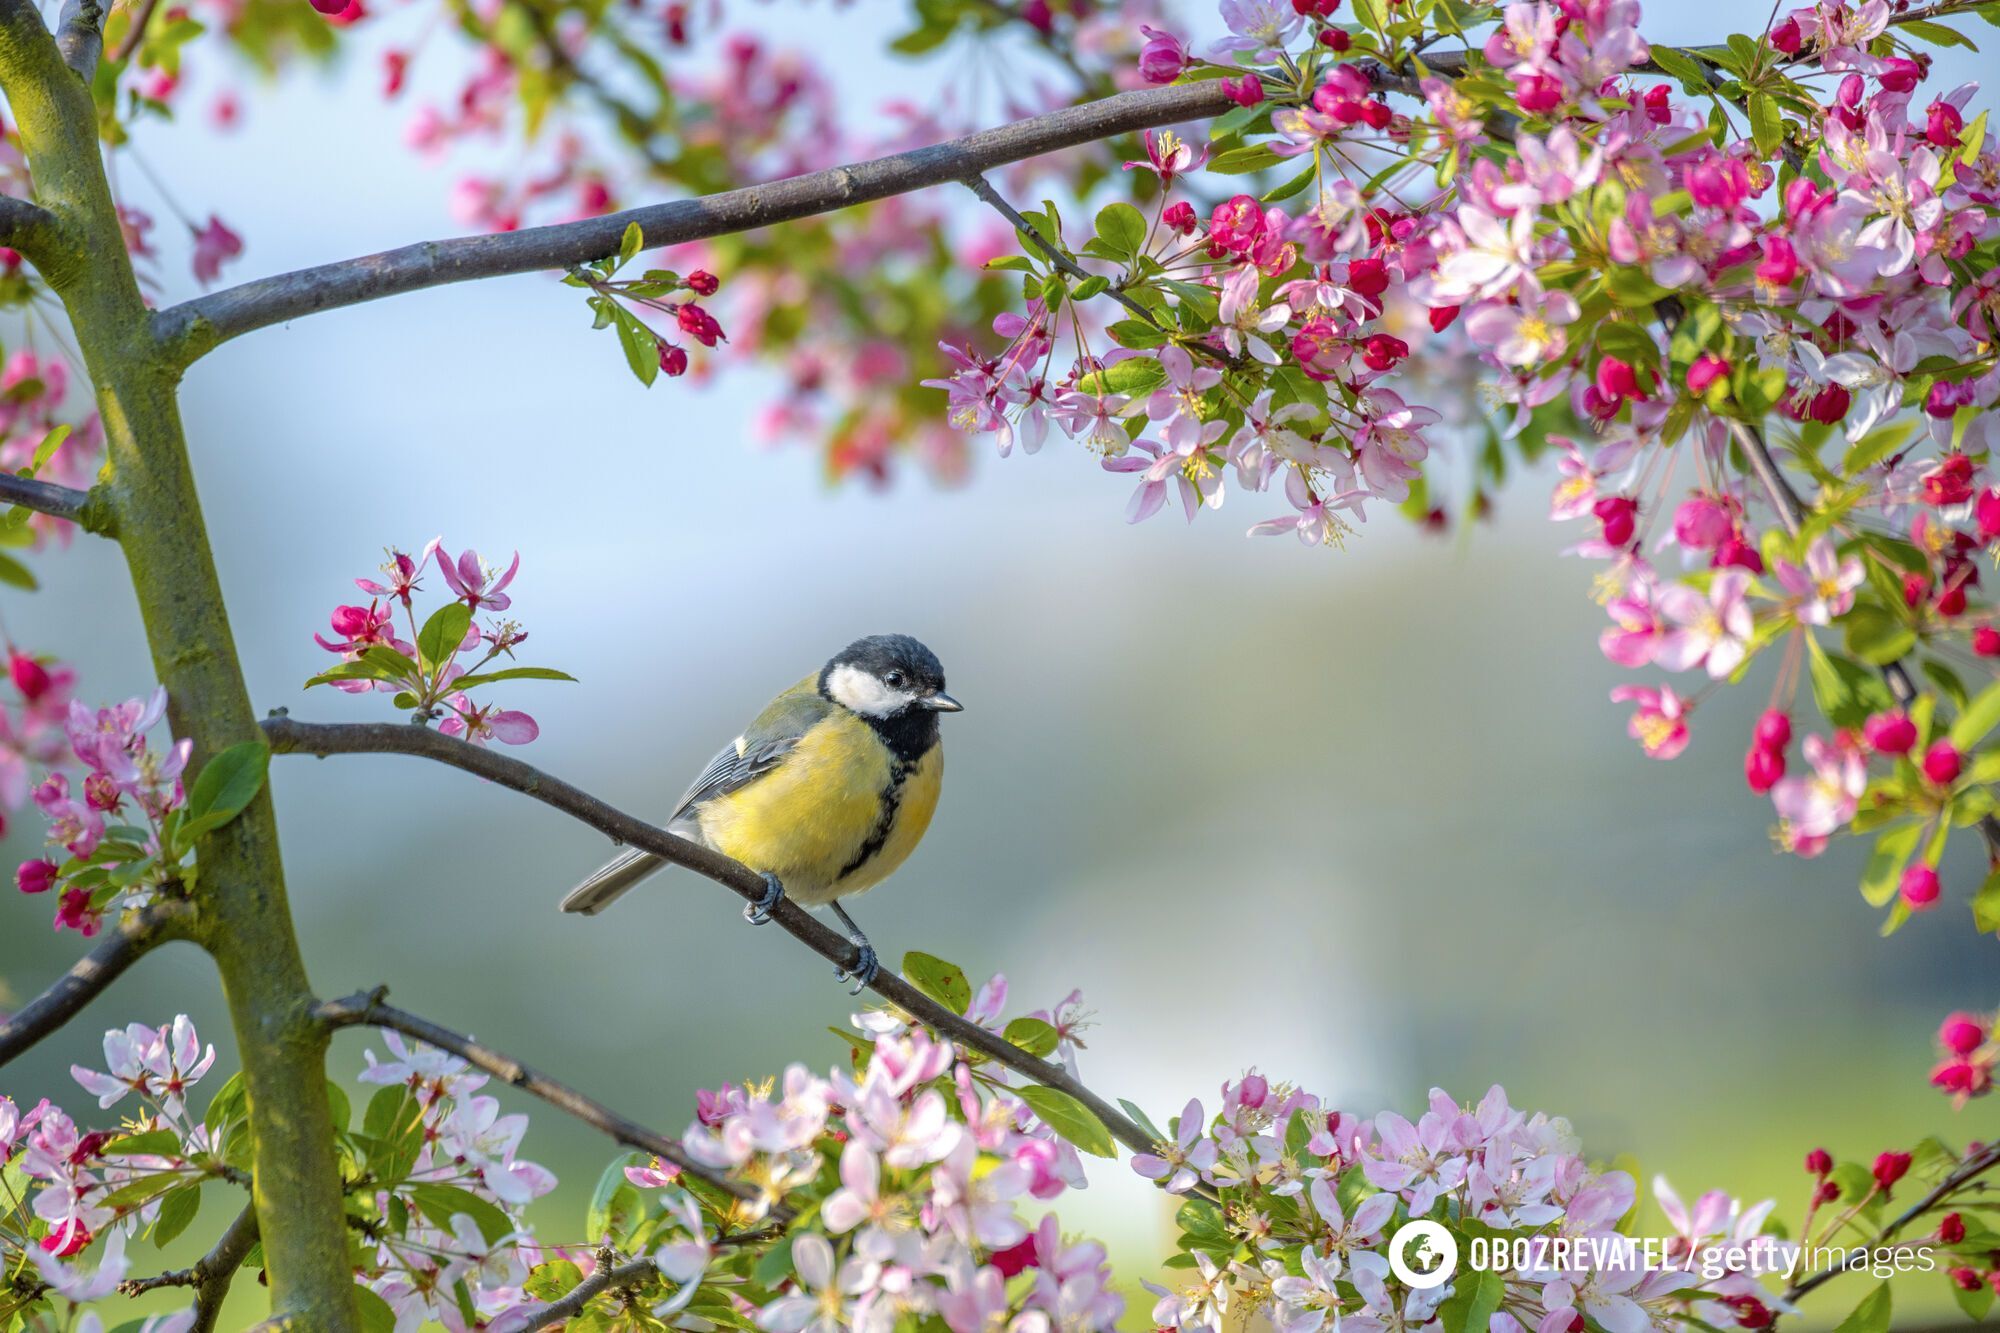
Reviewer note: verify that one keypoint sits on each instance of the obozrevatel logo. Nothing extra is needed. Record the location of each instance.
(1423, 1255)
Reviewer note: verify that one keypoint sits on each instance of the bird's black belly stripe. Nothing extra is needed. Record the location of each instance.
(885, 823)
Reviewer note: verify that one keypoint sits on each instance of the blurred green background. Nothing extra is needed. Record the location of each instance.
(1364, 820)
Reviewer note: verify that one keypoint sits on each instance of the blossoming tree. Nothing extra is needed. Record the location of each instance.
(1742, 293)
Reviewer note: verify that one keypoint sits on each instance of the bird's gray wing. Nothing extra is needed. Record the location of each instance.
(761, 748)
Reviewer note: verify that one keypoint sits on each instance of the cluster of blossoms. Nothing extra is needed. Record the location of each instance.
(649, 352)
(107, 858)
(32, 739)
(433, 673)
(36, 441)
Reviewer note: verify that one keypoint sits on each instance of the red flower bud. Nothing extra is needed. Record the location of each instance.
(1826, 1193)
(30, 677)
(1987, 511)
(1966, 1279)
(1786, 37)
(35, 876)
(1942, 763)
(1986, 641)
(1762, 768)
(703, 283)
(1951, 1228)
(1890, 733)
(1819, 1161)
(1920, 887)
(1706, 370)
(1180, 217)
(1962, 1034)
(1891, 1167)
(1618, 514)
(1774, 729)
(673, 359)
(1336, 40)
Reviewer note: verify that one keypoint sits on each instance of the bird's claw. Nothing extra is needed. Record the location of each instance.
(865, 968)
(759, 912)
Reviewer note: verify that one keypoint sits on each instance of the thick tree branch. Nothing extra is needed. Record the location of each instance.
(317, 738)
(210, 1275)
(196, 326)
(366, 1009)
(23, 224)
(45, 497)
(606, 1278)
(128, 942)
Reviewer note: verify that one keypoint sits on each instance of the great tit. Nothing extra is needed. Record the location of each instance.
(825, 794)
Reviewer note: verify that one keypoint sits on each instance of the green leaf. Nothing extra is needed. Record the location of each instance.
(1473, 1302)
(223, 788)
(440, 1203)
(153, 1143)
(1845, 691)
(1238, 161)
(1296, 185)
(1936, 33)
(1123, 228)
(1976, 1302)
(1979, 716)
(1876, 636)
(641, 346)
(1871, 1316)
(774, 1265)
(16, 575)
(1140, 1119)
(615, 1204)
(1767, 125)
(439, 639)
(942, 981)
(1070, 1118)
(1986, 905)
(1034, 1036)
(553, 1280)
(1683, 67)
(629, 245)
(511, 673)
(1135, 375)
(141, 1191)
(47, 448)
(1884, 870)
(376, 1314)
(176, 1211)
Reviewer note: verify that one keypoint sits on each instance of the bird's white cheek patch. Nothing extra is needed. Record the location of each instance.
(853, 688)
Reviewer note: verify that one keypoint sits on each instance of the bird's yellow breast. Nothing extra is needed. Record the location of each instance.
(836, 817)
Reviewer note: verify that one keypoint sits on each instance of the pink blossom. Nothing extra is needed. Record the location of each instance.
(1659, 723)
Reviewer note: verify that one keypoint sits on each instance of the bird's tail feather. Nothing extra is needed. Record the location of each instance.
(610, 881)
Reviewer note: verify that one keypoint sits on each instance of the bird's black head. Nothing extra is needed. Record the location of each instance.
(887, 676)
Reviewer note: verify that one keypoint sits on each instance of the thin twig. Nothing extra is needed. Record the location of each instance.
(210, 1275)
(1051, 250)
(194, 327)
(604, 1279)
(319, 738)
(366, 1009)
(134, 35)
(45, 497)
(128, 942)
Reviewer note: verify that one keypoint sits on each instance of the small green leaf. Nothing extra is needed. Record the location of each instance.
(614, 1205)
(440, 1203)
(1070, 1118)
(1876, 636)
(47, 448)
(1884, 870)
(942, 981)
(511, 673)
(641, 346)
(224, 787)
(377, 1316)
(629, 245)
(16, 575)
(1034, 1036)
(153, 1143)
(553, 1280)
(1979, 717)
(1986, 905)
(1123, 228)
(1135, 375)
(1871, 1316)
(1239, 161)
(438, 641)
(177, 1210)
(1767, 125)
(1473, 1302)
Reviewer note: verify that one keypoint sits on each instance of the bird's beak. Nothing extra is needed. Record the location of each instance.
(942, 703)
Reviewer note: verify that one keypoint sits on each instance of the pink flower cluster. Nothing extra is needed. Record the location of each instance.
(1969, 1048)
(31, 724)
(433, 672)
(124, 778)
(32, 390)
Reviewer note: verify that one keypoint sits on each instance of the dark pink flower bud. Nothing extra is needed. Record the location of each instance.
(1701, 522)
(1015, 1258)
(1619, 515)
(30, 677)
(1943, 125)
(1733, 550)
(35, 876)
(1774, 729)
(1336, 40)
(1962, 1033)
(1537, 93)
(1920, 887)
(1942, 763)
(1945, 398)
(1900, 75)
(1890, 733)
(1382, 351)
(1762, 768)
(703, 283)
(1780, 264)
(1819, 1161)
(1786, 37)
(1706, 370)
(1162, 58)
(1246, 91)
(1986, 641)
(673, 359)
(1618, 380)
(699, 325)
(1891, 1167)
(1965, 1279)
(1180, 217)
(1826, 1193)
(1951, 1228)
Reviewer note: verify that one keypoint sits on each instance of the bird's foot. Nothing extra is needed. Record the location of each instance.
(759, 912)
(866, 967)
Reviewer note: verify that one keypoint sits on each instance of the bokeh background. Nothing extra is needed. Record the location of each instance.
(1362, 819)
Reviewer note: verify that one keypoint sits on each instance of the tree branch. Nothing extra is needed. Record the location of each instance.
(80, 36)
(22, 223)
(981, 187)
(45, 497)
(129, 941)
(365, 1009)
(606, 1278)
(195, 327)
(289, 737)
(210, 1275)
(135, 35)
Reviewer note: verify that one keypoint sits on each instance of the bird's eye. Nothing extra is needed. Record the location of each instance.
(895, 680)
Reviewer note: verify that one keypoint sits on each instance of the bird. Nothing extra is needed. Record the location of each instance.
(825, 794)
